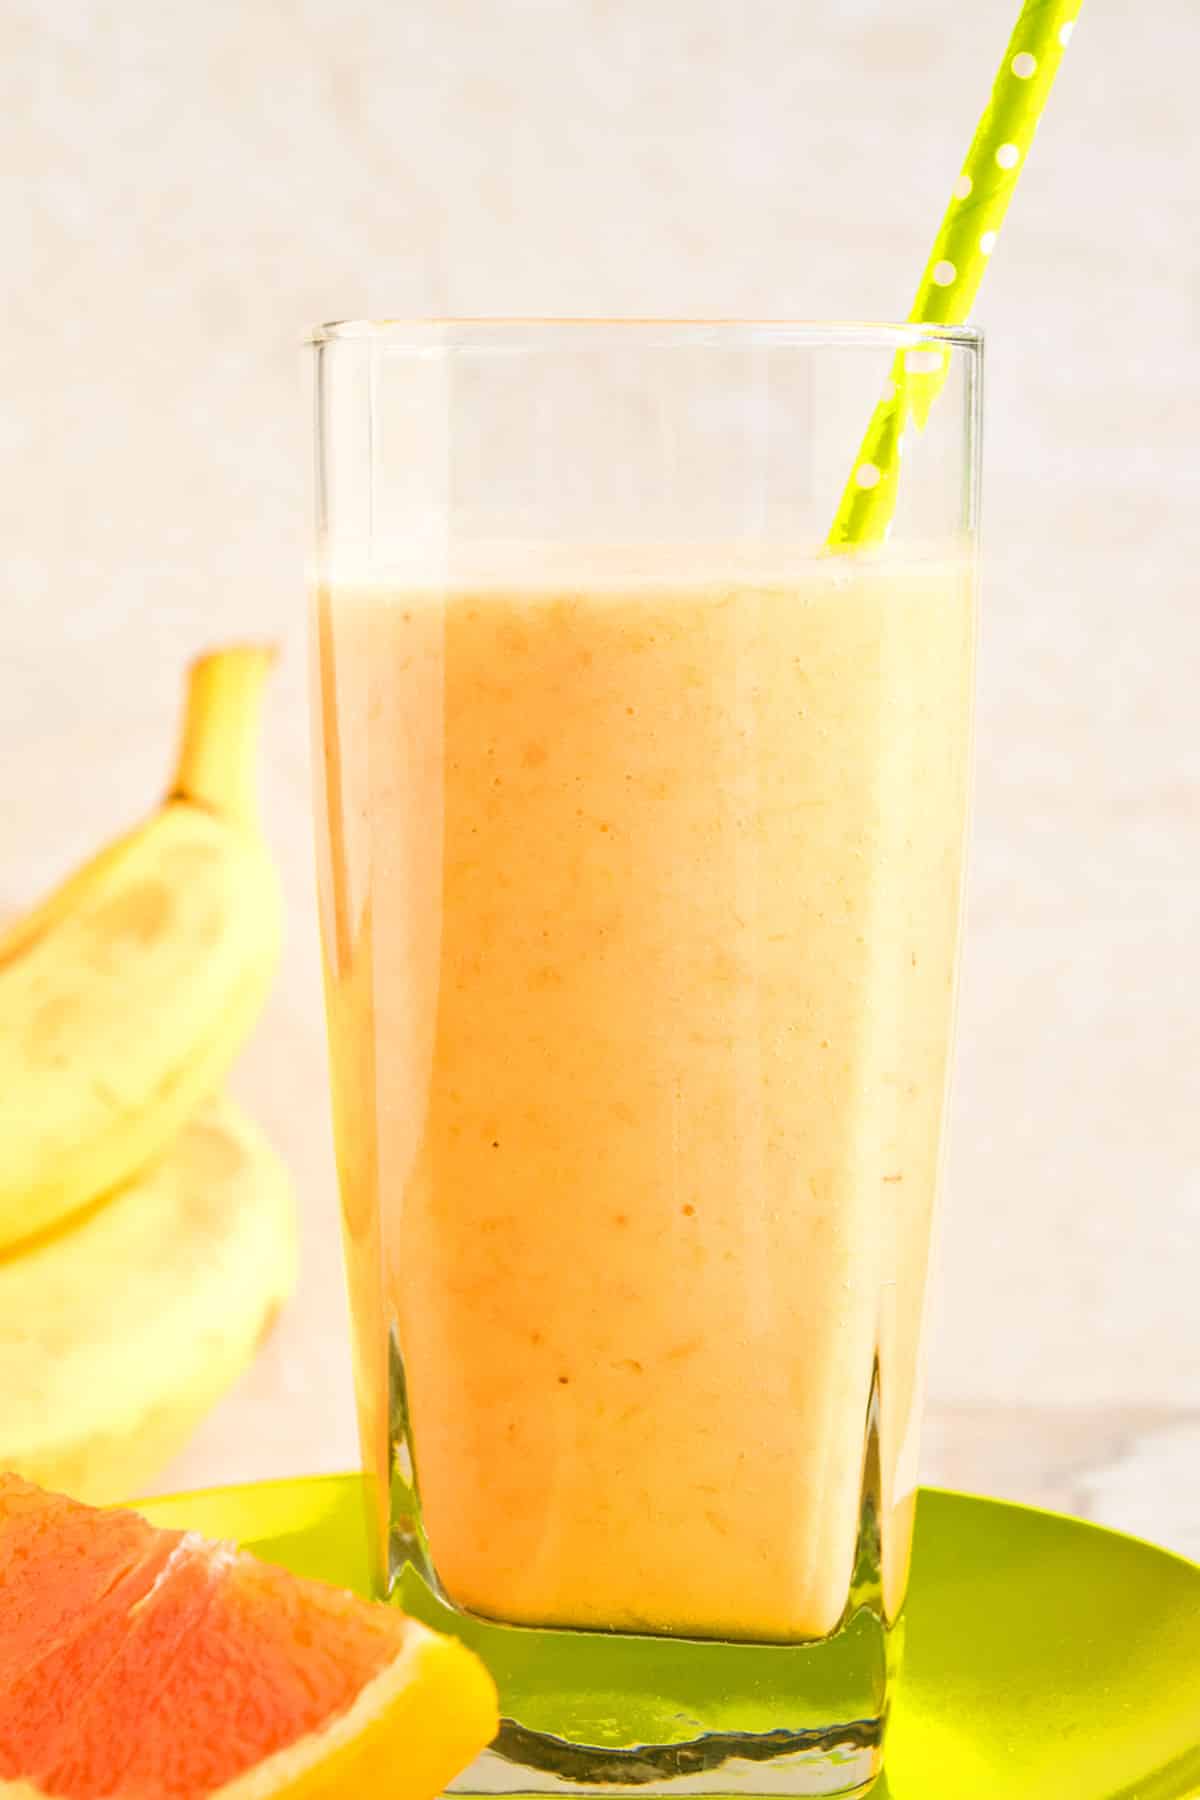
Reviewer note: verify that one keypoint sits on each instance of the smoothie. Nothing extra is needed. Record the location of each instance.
(640, 907)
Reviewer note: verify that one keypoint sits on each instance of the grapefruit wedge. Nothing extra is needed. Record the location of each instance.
(138, 1664)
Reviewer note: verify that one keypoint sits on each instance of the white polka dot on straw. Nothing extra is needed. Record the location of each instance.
(1008, 156)
(945, 274)
(987, 243)
(1023, 65)
(866, 475)
(1064, 32)
(962, 187)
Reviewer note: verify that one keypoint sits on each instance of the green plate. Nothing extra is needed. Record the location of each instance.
(1046, 1659)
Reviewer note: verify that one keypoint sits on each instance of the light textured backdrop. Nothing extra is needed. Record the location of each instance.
(185, 189)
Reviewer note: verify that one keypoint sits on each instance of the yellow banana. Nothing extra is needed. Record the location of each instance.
(125, 995)
(120, 1330)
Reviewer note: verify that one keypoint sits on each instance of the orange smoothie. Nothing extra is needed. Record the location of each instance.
(641, 923)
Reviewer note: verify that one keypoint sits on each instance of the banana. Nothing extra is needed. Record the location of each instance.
(125, 995)
(120, 1330)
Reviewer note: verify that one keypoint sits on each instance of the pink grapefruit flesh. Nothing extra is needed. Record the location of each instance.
(138, 1664)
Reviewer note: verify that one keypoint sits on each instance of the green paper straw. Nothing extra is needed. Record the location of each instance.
(960, 253)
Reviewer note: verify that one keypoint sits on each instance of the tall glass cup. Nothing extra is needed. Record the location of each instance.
(641, 827)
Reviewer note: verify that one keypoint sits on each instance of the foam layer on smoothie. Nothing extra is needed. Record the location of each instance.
(641, 962)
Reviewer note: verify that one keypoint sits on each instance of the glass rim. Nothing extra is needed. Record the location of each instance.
(529, 331)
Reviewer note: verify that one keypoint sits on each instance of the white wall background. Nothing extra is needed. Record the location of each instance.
(185, 189)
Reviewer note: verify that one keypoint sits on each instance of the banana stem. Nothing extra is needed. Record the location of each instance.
(218, 752)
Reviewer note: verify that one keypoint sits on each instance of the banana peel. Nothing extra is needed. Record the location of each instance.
(126, 995)
(119, 1331)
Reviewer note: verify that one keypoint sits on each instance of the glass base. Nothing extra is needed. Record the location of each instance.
(590, 1712)
(593, 1712)
(777, 1763)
